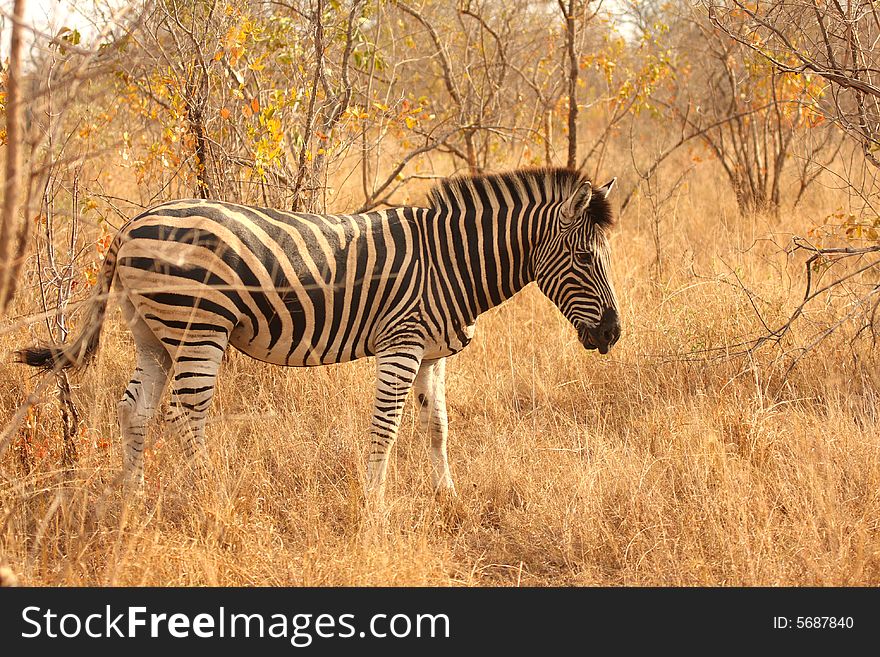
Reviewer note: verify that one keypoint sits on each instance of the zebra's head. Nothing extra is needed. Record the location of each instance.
(574, 268)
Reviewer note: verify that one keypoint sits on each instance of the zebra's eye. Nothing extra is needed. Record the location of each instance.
(584, 258)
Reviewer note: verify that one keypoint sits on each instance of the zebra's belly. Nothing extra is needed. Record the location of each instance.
(294, 355)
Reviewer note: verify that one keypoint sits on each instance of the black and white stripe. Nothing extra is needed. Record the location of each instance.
(404, 285)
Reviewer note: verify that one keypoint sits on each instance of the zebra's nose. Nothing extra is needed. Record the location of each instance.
(607, 331)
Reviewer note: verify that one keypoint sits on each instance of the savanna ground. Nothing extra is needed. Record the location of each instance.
(659, 464)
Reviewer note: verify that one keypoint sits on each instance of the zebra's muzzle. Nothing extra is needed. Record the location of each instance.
(584, 336)
(603, 335)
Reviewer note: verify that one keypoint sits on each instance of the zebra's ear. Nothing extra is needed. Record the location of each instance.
(577, 204)
(605, 189)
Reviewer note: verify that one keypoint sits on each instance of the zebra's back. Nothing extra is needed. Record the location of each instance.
(287, 288)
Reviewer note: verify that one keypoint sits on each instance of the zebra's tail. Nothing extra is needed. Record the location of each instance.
(78, 353)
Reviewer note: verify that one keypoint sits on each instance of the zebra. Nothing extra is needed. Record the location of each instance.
(404, 285)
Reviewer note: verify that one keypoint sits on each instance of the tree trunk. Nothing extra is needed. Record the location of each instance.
(570, 29)
(196, 118)
(12, 180)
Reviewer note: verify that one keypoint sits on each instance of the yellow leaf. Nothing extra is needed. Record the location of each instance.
(410, 122)
(91, 274)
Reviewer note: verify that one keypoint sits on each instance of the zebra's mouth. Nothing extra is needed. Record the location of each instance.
(584, 336)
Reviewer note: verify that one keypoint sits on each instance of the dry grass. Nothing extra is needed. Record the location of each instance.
(639, 468)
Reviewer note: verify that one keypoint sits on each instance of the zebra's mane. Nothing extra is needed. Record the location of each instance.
(556, 181)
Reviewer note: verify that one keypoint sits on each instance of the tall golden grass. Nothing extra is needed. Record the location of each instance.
(659, 464)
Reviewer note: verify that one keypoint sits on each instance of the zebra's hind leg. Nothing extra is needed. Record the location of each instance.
(142, 397)
(430, 391)
(395, 373)
(192, 389)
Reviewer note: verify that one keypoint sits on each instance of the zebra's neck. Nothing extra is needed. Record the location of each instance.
(481, 237)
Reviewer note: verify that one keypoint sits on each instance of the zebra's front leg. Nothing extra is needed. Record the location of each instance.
(395, 373)
(430, 391)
